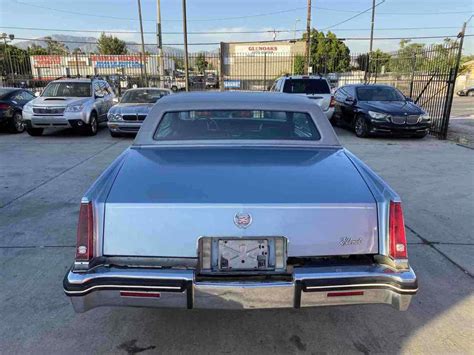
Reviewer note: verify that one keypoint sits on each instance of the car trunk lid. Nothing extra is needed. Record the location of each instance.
(164, 199)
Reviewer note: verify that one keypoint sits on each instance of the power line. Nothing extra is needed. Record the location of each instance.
(220, 32)
(147, 32)
(285, 40)
(229, 18)
(353, 17)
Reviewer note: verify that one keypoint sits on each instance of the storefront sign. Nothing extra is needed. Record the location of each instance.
(232, 84)
(261, 50)
(46, 60)
(116, 61)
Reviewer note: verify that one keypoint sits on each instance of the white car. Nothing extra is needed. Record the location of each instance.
(315, 87)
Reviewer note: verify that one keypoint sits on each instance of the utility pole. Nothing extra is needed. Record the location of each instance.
(372, 27)
(308, 39)
(371, 43)
(143, 42)
(159, 41)
(185, 30)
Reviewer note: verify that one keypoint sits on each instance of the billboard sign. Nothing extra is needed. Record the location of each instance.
(116, 61)
(261, 50)
(40, 61)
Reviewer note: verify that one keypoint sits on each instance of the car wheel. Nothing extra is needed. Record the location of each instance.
(16, 124)
(115, 135)
(174, 88)
(470, 93)
(93, 126)
(360, 127)
(35, 132)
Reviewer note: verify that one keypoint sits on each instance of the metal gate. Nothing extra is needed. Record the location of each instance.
(426, 74)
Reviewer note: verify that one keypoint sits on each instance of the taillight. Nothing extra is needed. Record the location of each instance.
(4, 106)
(85, 233)
(332, 103)
(398, 241)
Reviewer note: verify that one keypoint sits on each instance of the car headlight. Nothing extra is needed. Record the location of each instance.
(74, 108)
(114, 117)
(425, 117)
(28, 108)
(379, 116)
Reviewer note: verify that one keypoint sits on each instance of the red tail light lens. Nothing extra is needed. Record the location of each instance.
(332, 103)
(85, 233)
(398, 241)
(4, 106)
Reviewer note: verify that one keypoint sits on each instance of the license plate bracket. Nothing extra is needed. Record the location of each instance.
(243, 254)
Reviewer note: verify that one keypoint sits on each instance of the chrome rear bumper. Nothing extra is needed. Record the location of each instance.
(309, 287)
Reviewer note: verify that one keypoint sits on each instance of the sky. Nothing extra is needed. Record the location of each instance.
(416, 17)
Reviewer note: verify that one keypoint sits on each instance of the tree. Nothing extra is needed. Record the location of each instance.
(379, 61)
(408, 57)
(111, 45)
(464, 67)
(14, 60)
(178, 62)
(55, 47)
(35, 49)
(328, 53)
(77, 51)
(298, 65)
(201, 62)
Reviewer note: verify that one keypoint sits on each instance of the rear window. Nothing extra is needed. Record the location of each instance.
(306, 86)
(235, 125)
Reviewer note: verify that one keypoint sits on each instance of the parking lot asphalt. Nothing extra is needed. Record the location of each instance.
(43, 178)
(461, 122)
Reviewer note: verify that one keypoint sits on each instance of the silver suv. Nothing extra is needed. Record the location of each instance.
(314, 87)
(69, 103)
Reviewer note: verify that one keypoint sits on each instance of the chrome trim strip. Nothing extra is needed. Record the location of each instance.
(401, 290)
(121, 287)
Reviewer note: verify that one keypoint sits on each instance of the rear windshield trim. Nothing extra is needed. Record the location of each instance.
(291, 142)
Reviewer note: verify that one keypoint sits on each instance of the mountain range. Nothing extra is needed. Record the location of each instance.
(73, 42)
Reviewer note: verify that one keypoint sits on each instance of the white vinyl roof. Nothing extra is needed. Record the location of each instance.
(236, 101)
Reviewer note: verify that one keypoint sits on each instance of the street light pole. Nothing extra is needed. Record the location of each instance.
(185, 30)
(294, 32)
(143, 42)
(159, 40)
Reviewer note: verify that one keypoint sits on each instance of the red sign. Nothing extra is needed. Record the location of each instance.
(46, 60)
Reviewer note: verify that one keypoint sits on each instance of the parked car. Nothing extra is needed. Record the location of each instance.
(177, 84)
(128, 115)
(379, 109)
(314, 87)
(469, 91)
(12, 101)
(211, 81)
(239, 200)
(69, 103)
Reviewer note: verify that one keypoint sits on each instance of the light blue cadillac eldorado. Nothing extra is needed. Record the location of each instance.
(239, 200)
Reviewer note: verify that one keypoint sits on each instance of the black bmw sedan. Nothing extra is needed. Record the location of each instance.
(379, 109)
(12, 101)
